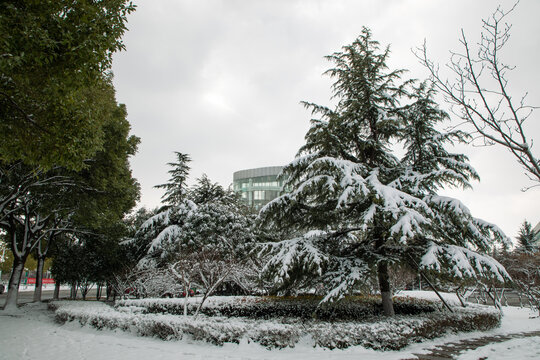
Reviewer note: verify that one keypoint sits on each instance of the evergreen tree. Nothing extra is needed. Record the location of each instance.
(340, 176)
(205, 191)
(354, 208)
(453, 242)
(526, 237)
(205, 217)
(176, 188)
(201, 241)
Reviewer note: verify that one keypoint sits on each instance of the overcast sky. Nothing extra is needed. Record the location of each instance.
(223, 80)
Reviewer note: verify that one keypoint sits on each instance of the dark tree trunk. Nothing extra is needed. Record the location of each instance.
(41, 256)
(39, 279)
(84, 289)
(384, 277)
(98, 291)
(56, 295)
(74, 287)
(14, 282)
(384, 286)
(108, 291)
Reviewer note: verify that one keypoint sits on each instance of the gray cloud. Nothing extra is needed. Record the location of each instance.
(222, 81)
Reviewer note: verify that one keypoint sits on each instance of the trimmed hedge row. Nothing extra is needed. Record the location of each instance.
(380, 333)
(268, 307)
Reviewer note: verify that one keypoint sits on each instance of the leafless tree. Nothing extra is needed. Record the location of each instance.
(184, 272)
(479, 92)
(206, 270)
(524, 267)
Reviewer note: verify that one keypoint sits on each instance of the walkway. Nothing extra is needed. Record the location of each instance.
(451, 350)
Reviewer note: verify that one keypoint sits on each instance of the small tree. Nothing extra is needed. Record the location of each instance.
(201, 236)
(524, 267)
(176, 188)
(526, 237)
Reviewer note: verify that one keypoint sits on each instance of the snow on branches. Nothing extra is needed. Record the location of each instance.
(199, 238)
(300, 264)
(371, 209)
(461, 263)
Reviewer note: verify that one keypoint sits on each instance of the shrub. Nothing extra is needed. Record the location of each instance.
(304, 307)
(376, 332)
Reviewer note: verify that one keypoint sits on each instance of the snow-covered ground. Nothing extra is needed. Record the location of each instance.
(31, 333)
(516, 349)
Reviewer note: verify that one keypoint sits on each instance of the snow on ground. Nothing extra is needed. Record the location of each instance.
(522, 349)
(31, 333)
(450, 298)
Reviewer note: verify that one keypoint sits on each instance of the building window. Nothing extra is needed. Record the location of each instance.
(257, 190)
(258, 195)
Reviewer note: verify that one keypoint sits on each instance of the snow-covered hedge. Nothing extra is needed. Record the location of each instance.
(305, 307)
(377, 333)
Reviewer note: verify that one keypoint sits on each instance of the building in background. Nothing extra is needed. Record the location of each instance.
(536, 232)
(258, 186)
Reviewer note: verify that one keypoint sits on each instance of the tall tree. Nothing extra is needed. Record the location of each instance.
(340, 176)
(453, 242)
(55, 56)
(355, 209)
(58, 117)
(38, 205)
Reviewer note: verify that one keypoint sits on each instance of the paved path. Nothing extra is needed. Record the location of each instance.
(451, 350)
(47, 294)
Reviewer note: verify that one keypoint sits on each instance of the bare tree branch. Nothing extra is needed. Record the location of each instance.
(479, 90)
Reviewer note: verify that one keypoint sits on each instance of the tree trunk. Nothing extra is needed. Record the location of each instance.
(56, 295)
(108, 291)
(14, 282)
(98, 291)
(384, 286)
(84, 289)
(186, 298)
(74, 287)
(39, 279)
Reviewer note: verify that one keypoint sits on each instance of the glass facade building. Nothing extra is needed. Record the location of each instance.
(258, 186)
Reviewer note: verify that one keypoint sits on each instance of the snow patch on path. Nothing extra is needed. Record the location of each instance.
(522, 349)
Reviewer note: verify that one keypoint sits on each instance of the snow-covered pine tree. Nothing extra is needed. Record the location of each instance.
(525, 237)
(201, 236)
(354, 209)
(176, 188)
(205, 191)
(164, 227)
(453, 242)
(340, 200)
(220, 222)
